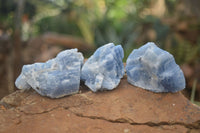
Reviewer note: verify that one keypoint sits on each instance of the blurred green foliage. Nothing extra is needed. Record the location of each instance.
(126, 22)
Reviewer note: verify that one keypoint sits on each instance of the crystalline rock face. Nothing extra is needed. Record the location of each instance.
(55, 78)
(104, 69)
(154, 69)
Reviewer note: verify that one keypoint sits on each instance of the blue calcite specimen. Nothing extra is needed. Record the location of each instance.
(154, 69)
(55, 78)
(104, 69)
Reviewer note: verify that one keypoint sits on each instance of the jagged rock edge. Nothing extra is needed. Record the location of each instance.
(195, 125)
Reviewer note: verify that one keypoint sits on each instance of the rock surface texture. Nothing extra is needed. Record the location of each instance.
(55, 78)
(104, 69)
(126, 109)
(154, 69)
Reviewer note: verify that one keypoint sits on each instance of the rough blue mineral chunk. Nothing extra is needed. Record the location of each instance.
(154, 69)
(55, 78)
(104, 69)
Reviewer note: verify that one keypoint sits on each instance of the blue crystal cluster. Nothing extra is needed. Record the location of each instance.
(154, 69)
(104, 69)
(55, 78)
(148, 67)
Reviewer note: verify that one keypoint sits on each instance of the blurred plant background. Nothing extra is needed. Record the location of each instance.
(36, 30)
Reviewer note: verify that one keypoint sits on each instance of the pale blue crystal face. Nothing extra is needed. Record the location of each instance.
(154, 69)
(55, 78)
(104, 69)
